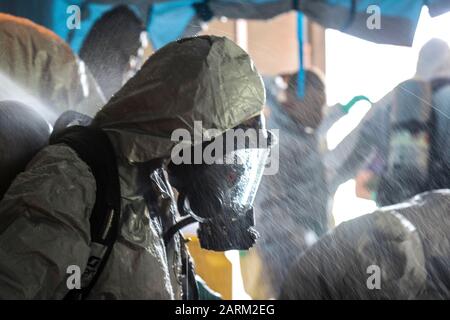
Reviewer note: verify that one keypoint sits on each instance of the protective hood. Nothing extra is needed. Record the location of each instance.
(375, 256)
(208, 79)
(434, 60)
(44, 68)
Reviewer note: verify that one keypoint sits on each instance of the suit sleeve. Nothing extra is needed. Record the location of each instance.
(44, 225)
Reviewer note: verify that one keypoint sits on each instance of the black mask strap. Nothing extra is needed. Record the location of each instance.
(177, 227)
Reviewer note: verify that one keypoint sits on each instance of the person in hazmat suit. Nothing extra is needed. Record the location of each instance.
(114, 48)
(412, 153)
(292, 202)
(368, 144)
(397, 252)
(23, 132)
(38, 67)
(44, 217)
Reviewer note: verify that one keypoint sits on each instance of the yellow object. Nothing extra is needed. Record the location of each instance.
(255, 282)
(213, 267)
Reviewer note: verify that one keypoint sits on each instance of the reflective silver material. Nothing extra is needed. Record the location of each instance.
(44, 217)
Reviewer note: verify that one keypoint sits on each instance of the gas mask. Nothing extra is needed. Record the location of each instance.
(220, 195)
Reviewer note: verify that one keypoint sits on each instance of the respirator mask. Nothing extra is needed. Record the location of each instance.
(220, 195)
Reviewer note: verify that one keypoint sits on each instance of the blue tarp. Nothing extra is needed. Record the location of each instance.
(53, 15)
(168, 20)
(398, 19)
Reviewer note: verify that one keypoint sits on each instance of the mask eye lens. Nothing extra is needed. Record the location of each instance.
(221, 193)
(232, 178)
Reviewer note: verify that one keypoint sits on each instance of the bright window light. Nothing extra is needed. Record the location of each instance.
(359, 67)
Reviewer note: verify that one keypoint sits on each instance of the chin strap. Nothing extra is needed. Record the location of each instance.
(168, 235)
(186, 219)
(190, 288)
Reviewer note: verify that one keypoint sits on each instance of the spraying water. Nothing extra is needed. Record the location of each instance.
(25, 125)
(10, 90)
(23, 132)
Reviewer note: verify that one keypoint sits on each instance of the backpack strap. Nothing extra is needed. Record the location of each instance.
(406, 174)
(93, 146)
(438, 177)
(437, 164)
(439, 83)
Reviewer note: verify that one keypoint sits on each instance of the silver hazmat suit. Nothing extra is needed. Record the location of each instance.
(408, 242)
(44, 217)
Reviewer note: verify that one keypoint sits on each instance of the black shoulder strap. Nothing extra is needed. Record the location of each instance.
(439, 83)
(438, 164)
(93, 146)
(437, 179)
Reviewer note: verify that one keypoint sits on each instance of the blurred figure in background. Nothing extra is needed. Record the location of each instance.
(114, 48)
(35, 64)
(301, 166)
(297, 197)
(379, 150)
(367, 157)
(292, 204)
(403, 146)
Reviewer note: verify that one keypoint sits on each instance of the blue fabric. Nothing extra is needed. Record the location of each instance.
(403, 8)
(53, 15)
(90, 13)
(256, 2)
(40, 11)
(438, 7)
(168, 21)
